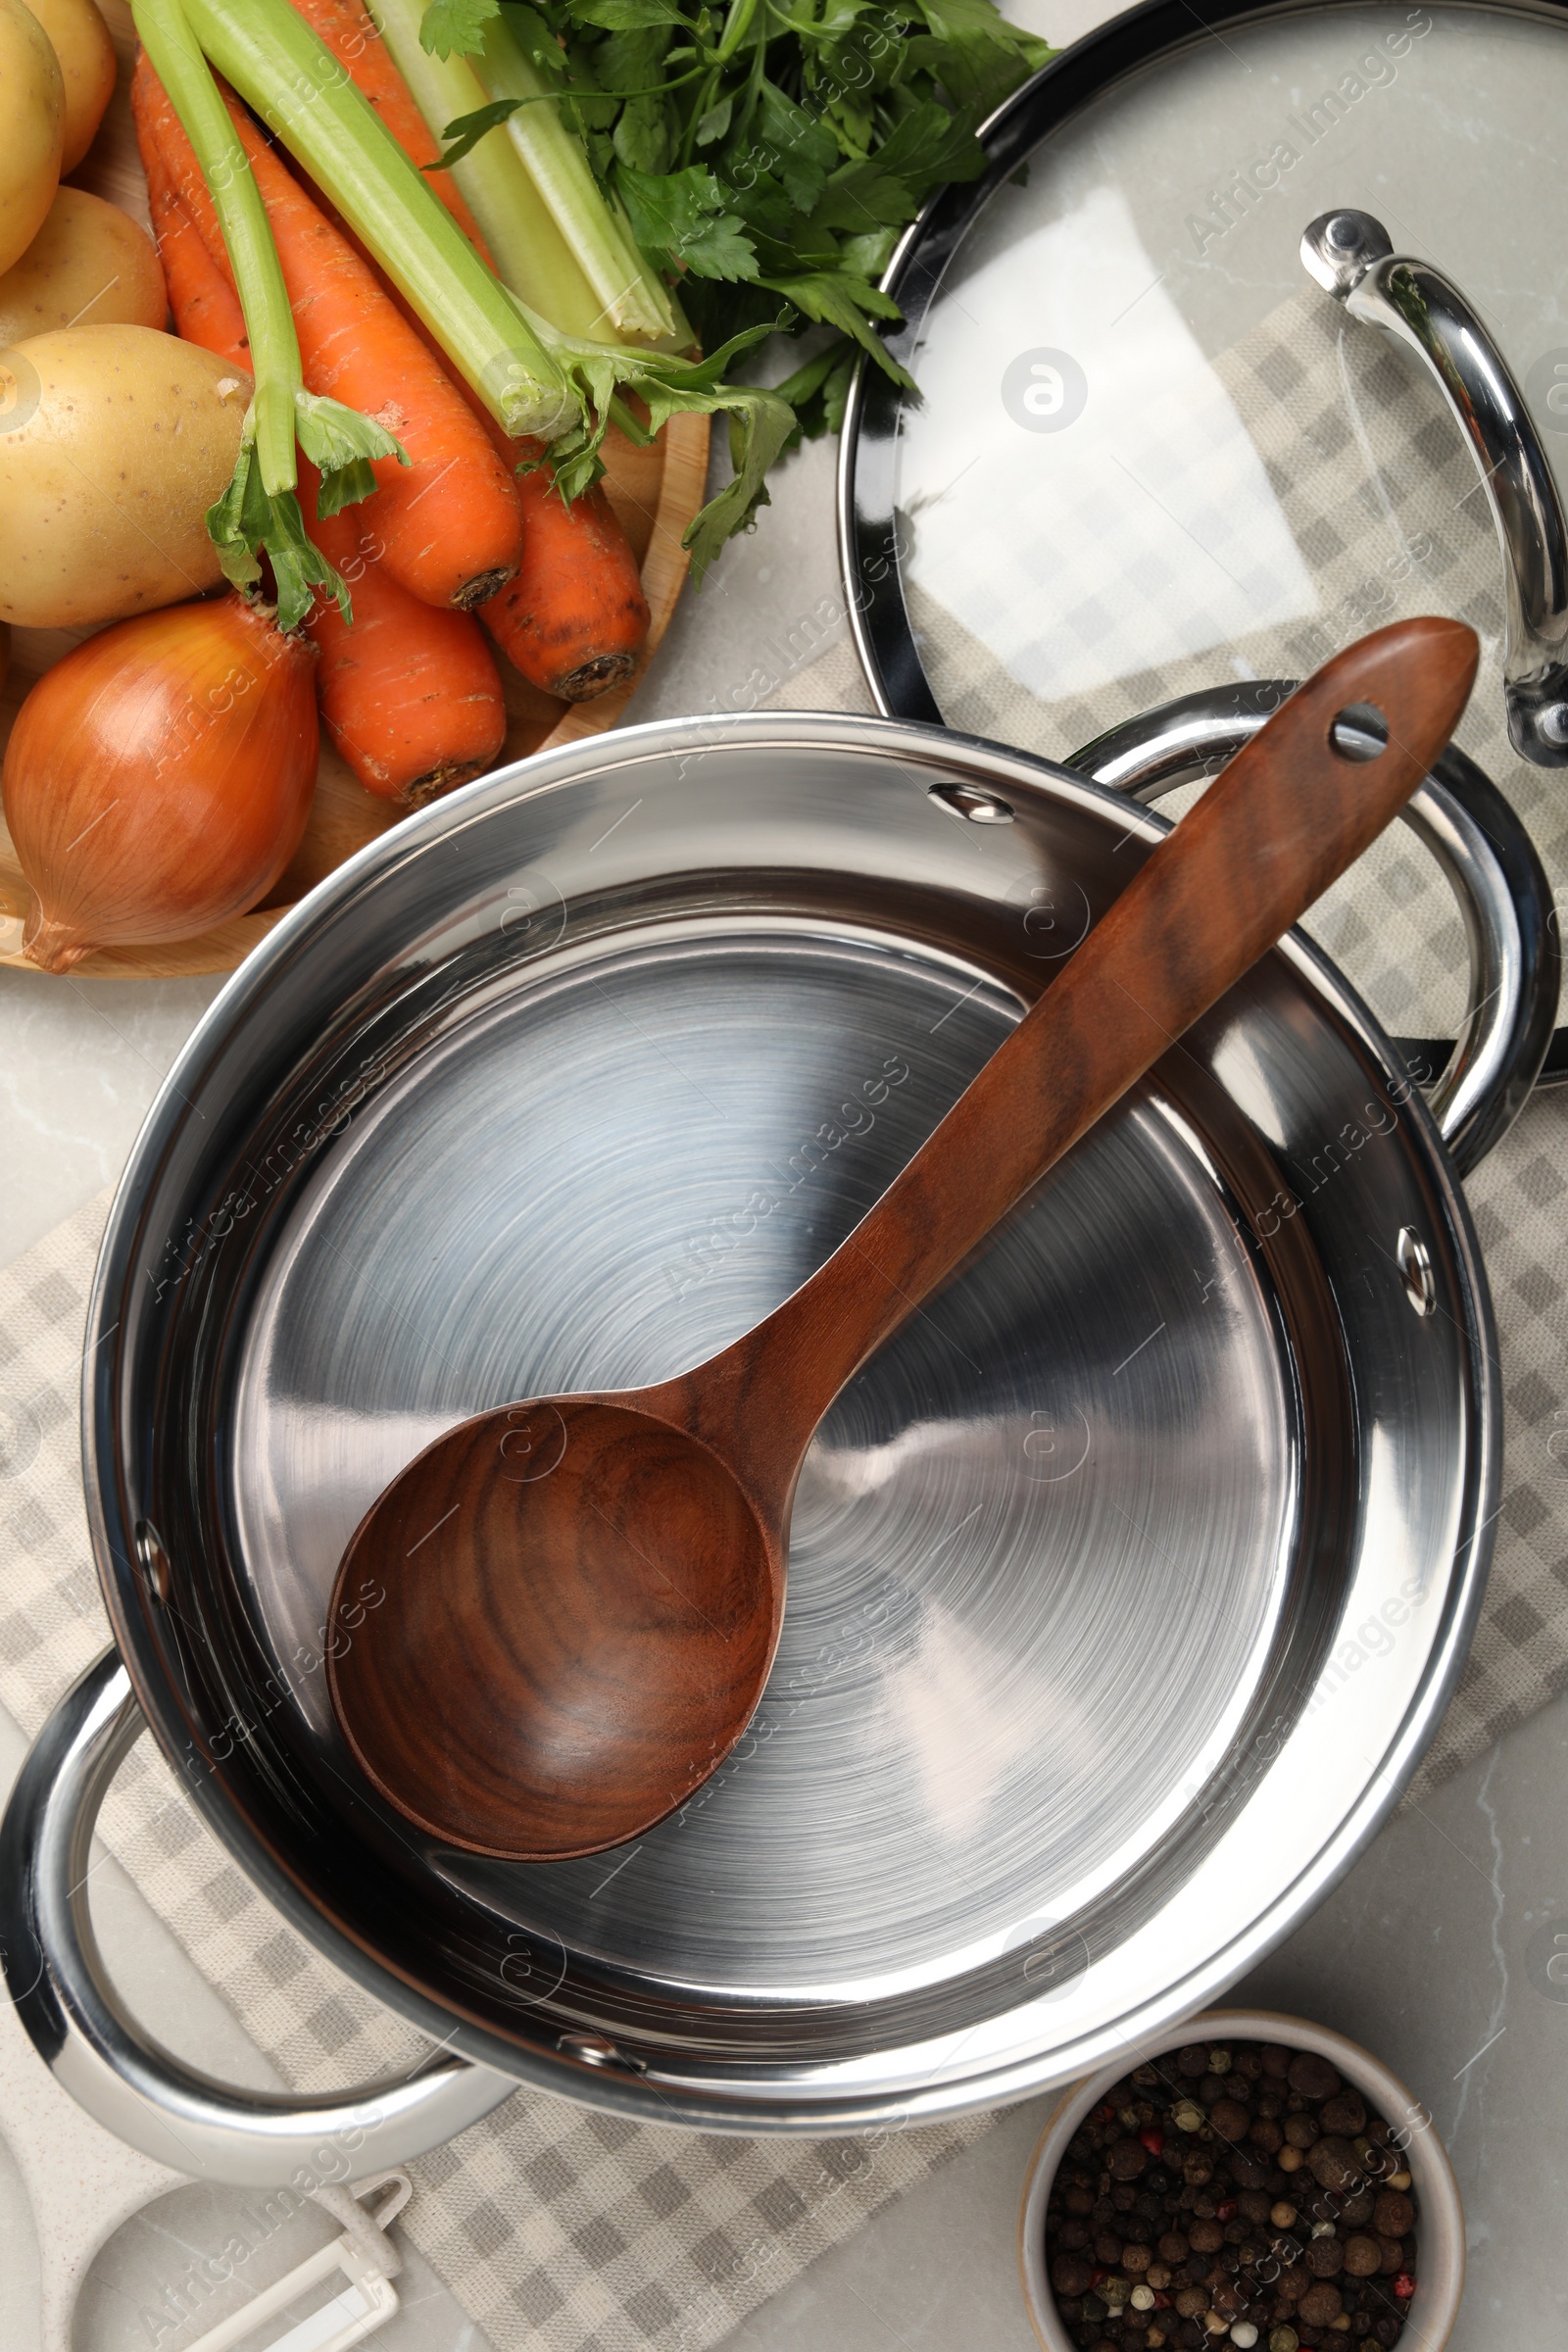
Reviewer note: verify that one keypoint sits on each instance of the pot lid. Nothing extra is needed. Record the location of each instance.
(1155, 450)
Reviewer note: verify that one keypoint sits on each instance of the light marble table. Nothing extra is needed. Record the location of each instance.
(1430, 1951)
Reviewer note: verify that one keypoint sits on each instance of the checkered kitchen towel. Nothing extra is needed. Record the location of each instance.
(1266, 509)
(583, 2232)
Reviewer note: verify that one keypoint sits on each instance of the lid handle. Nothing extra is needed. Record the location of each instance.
(1351, 257)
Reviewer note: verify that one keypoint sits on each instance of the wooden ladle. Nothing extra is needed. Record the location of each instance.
(558, 1619)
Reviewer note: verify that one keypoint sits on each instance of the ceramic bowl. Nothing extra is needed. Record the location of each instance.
(1435, 2305)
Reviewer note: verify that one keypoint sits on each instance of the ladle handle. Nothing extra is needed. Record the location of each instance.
(1283, 822)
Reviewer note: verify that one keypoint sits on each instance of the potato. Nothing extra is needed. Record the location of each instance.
(91, 264)
(114, 442)
(32, 119)
(80, 40)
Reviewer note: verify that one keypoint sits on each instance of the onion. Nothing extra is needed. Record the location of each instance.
(158, 779)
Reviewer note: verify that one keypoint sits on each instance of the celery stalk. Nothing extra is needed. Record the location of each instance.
(631, 300)
(302, 93)
(260, 509)
(531, 254)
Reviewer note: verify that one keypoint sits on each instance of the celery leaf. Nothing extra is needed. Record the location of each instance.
(341, 444)
(249, 521)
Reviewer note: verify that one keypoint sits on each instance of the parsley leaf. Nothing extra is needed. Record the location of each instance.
(469, 129)
(765, 157)
(837, 298)
(449, 25)
(682, 216)
(627, 15)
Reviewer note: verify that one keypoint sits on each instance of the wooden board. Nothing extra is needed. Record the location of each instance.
(655, 492)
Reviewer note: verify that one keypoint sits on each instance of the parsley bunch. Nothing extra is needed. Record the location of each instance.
(766, 154)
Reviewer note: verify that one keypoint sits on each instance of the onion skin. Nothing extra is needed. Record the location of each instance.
(158, 779)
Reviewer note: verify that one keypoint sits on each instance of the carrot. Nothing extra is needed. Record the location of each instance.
(574, 619)
(205, 305)
(410, 696)
(461, 547)
(345, 27)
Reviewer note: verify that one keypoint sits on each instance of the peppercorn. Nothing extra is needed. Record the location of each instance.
(1070, 2274)
(1321, 2304)
(1332, 2162)
(1127, 2159)
(1362, 2256)
(1192, 2060)
(1283, 2338)
(1219, 2062)
(1393, 2214)
(1312, 2075)
(1237, 2191)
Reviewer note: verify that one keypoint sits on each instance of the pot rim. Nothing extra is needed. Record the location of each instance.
(714, 2095)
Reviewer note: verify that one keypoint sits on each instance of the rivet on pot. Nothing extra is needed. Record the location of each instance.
(153, 1559)
(1415, 1270)
(592, 2049)
(980, 808)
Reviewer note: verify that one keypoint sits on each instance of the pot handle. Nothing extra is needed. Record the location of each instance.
(1352, 258)
(123, 2078)
(1479, 1084)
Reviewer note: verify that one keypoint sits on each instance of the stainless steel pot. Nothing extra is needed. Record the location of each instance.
(1128, 1583)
